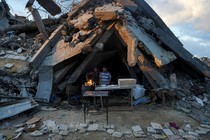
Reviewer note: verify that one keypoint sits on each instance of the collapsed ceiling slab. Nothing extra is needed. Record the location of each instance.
(150, 45)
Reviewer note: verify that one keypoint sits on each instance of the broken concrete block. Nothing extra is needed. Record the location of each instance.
(156, 126)
(193, 133)
(185, 110)
(2, 52)
(110, 131)
(190, 137)
(158, 136)
(137, 131)
(63, 133)
(168, 132)
(8, 66)
(109, 126)
(82, 130)
(151, 130)
(44, 130)
(82, 125)
(72, 128)
(19, 50)
(36, 133)
(57, 137)
(198, 100)
(51, 126)
(101, 128)
(92, 127)
(19, 130)
(108, 12)
(136, 128)
(187, 127)
(117, 134)
(63, 127)
(205, 126)
(199, 132)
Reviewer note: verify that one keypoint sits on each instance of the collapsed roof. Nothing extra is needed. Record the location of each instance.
(146, 43)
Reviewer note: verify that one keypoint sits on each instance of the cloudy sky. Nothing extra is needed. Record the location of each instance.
(188, 19)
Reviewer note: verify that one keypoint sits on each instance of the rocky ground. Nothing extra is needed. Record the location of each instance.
(145, 122)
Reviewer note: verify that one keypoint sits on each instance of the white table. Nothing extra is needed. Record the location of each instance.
(116, 87)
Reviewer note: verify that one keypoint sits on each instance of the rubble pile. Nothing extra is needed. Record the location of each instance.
(126, 32)
(36, 128)
(205, 60)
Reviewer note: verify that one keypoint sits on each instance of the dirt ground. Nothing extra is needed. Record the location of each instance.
(122, 120)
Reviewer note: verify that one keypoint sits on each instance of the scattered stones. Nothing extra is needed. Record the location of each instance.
(185, 110)
(199, 132)
(101, 128)
(158, 136)
(63, 127)
(205, 126)
(19, 130)
(156, 126)
(110, 131)
(44, 130)
(36, 133)
(187, 127)
(137, 131)
(82, 126)
(190, 137)
(109, 126)
(151, 130)
(193, 133)
(168, 132)
(8, 66)
(57, 137)
(117, 134)
(63, 133)
(92, 127)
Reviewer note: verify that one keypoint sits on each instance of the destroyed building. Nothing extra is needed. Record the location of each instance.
(126, 35)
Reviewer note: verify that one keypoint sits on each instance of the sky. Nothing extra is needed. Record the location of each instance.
(188, 19)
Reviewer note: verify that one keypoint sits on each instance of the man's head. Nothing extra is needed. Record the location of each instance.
(104, 68)
(95, 69)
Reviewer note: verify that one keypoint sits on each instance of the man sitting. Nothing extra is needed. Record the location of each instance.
(104, 77)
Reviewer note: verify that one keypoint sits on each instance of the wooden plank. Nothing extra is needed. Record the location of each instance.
(39, 23)
(154, 16)
(50, 6)
(155, 78)
(40, 55)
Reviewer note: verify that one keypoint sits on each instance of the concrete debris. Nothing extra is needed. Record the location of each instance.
(190, 137)
(19, 130)
(63, 127)
(151, 130)
(8, 66)
(168, 132)
(158, 136)
(110, 131)
(117, 134)
(57, 137)
(82, 126)
(137, 131)
(156, 125)
(63, 133)
(13, 108)
(92, 127)
(36, 133)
